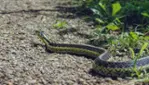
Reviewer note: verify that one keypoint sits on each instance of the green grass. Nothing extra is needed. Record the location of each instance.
(60, 24)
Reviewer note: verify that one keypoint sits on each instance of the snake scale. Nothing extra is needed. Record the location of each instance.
(100, 55)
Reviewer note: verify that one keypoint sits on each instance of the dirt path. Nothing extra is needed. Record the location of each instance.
(22, 63)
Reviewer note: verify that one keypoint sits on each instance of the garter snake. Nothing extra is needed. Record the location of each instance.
(100, 55)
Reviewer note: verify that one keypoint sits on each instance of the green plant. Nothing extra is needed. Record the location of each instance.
(60, 24)
(120, 43)
(124, 15)
(129, 19)
(105, 13)
(135, 57)
(136, 13)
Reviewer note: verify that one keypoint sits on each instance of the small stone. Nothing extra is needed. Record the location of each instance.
(32, 81)
(69, 82)
(81, 81)
(119, 79)
(108, 80)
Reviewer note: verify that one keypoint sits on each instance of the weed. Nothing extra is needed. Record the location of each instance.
(135, 57)
(60, 24)
(119, 14)
(129, 22)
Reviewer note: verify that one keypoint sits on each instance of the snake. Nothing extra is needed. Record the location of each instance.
(100, 55)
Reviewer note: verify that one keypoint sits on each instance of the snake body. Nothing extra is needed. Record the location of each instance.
(100, 55)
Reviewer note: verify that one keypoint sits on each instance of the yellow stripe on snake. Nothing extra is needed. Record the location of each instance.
(100, 55)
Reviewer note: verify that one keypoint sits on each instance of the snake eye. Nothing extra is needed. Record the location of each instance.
(41, 33)
(38, 32)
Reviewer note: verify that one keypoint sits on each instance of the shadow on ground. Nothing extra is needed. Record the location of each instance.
(66, 12)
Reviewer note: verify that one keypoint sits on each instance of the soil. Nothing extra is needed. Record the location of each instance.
(24, 63)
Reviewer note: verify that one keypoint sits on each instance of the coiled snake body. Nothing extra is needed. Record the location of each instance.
(100, 55)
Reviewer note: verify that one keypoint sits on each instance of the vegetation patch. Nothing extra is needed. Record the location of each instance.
(122, 27)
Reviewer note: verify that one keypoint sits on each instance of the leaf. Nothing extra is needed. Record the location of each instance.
(146, 37)
(112, 27)
(134, 35)
(145, 14)
(100, 21)
(142, 49)
(118, 20)
(116, 7)
(132, 53)
(102, 6)
(95, 11)
(60, 24)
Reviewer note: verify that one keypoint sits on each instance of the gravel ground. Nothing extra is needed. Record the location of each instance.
(23, 63)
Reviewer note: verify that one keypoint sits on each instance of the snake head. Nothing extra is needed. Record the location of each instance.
(39, 32)
(42, 36)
